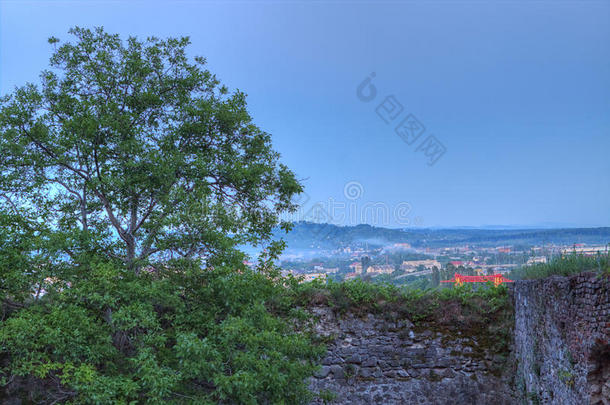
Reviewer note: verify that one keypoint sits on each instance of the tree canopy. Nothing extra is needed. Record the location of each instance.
(130, 148)
(128, 180)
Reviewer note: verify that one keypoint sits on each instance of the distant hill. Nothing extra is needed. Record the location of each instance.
(308, 235)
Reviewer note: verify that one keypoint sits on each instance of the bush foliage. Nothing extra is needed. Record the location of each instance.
(185, 336)
(565, 266)
(412, 303)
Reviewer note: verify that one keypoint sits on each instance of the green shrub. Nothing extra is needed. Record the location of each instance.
(184, 337)
(565, 266)
(415, 304)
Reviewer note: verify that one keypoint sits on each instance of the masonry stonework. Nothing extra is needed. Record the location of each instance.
(560, 353)
(562, 340)
(371, 360)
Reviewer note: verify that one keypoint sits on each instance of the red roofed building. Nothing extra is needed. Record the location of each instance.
(356, 267)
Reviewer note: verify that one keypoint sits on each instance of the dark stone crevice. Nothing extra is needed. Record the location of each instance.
(598, 377)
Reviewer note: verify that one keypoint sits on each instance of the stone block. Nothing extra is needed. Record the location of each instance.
(322, 372)
(367, 372)
(370, 362)
(337, 371)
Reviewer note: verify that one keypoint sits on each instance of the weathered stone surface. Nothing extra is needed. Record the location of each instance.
(561, 353)
(386, 366)
(323, 372)
(370, 362)
(337, 371)
(367, 372)
(562, 340)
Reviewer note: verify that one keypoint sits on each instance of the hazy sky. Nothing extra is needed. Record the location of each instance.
(518, 93)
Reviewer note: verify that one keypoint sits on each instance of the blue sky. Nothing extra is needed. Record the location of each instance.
(518, 93)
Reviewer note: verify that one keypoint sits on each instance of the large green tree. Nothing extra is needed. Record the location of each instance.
(129, 155)
(131, 149)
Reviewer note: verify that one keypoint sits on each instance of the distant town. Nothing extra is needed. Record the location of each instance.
(424, 266)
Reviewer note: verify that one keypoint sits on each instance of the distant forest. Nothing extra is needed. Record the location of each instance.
(326, 236)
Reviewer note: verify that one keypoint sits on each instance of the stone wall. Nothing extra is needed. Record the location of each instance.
(560, 352)
(373, 360)
(562, 340)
